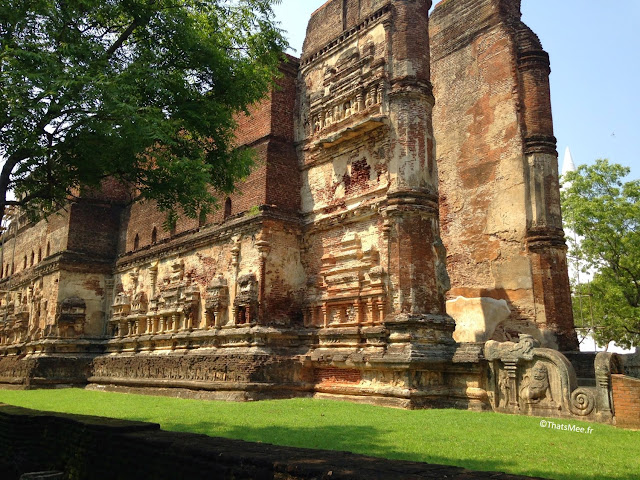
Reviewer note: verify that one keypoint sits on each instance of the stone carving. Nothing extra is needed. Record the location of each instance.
(347, 95)
(15, 313)
(70, 318)
(217, 301)
(122, 305)
(245, 306)
(605, 365)
(176, 306)
(120, 311)
(503, 400)
(140, 303)
(535, 386)
(352, 290)
(196, 368)
(173, 309)
(539, 381)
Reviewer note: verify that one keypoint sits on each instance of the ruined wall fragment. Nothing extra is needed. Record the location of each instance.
(499, 196)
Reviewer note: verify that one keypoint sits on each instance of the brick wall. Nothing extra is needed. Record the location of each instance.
(337, 375)
(480, 149)
(626, 401)
(274, 180)
(282, 175)
(33, 241)
(93, 229)
(333, 17)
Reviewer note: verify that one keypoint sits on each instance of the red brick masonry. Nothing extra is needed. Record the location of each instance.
(626, 401)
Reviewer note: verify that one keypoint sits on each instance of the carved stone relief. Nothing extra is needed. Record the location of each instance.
(245, 305)
(71, 317)
(524, 378)
(174, 307)
(352, 288)
(217, 302)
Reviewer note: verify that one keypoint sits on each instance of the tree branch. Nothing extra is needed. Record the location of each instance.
(633, 332)
(122, 38)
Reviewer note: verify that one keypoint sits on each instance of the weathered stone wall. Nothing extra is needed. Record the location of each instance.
(364, 123)
(23, 371)
(342, 127)
(58, 288)
(499, 196)
(45, 238)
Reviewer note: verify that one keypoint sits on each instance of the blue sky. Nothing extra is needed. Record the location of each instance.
(595, 78)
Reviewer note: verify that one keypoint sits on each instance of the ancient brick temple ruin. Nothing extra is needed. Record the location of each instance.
(403, 161)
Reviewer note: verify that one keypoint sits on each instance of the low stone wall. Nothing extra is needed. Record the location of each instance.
(626, 400)
(87, 448)
(21, 371)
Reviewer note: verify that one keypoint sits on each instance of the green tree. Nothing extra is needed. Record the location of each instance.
(604, 212)
(145, 91)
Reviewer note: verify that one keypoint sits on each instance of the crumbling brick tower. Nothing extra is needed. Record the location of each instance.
(370, 206)
(497, 160)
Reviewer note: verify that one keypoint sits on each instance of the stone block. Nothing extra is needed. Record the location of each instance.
(476, 318)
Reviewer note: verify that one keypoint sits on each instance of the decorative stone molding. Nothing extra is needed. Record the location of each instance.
(380, 15)
(173, 309)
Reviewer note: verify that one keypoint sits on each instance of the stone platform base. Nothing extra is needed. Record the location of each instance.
(275, 393)
(44, 371)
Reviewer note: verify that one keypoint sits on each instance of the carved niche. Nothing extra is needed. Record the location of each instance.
(140, 303)
(177, 303)
(526, 379)
(15, 322)
(120, 311)
(71, 317)
(217, 301)
(245, 305)
(352, 291)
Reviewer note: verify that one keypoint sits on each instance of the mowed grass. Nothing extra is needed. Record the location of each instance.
(478, 441)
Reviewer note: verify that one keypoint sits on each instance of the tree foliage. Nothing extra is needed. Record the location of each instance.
(141, 90)
(604, 212)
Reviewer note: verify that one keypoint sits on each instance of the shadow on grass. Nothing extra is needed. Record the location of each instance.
(372, 442)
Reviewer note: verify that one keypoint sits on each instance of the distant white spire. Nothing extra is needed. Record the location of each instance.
(567, 164)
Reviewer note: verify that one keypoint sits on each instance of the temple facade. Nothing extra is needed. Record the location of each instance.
(399, 241)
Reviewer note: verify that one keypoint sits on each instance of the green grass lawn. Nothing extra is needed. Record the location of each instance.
(478, 441)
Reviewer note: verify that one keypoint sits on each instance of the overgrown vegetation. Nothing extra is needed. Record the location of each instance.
(144, 92)
(478, 441)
